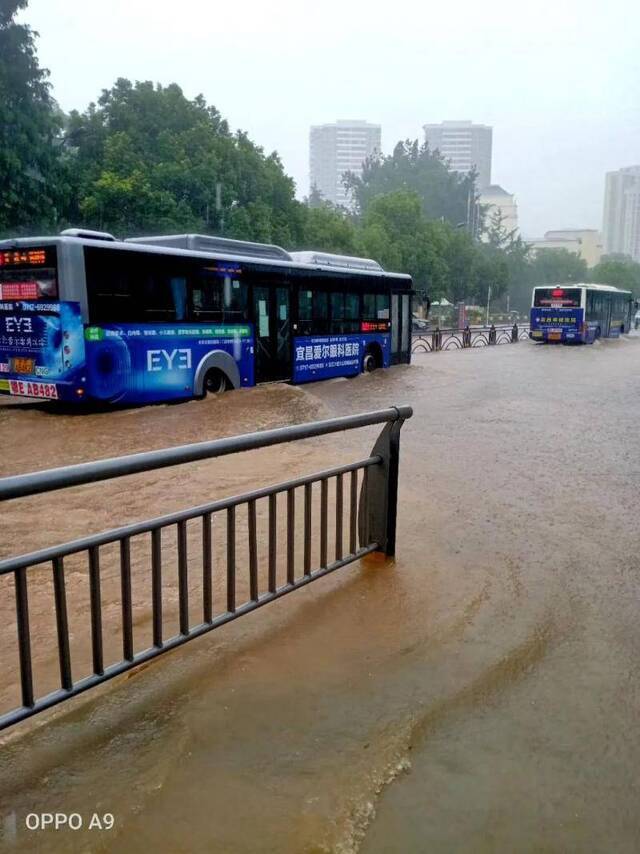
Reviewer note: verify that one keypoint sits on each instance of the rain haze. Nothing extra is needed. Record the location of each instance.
(559, 83)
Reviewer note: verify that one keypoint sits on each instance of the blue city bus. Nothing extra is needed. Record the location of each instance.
(579, 314)
(87, 318)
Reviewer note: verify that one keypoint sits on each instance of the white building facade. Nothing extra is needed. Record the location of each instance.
(465, 145)
(586, 243)
(336, 148)
(621, 221)
(497, 200)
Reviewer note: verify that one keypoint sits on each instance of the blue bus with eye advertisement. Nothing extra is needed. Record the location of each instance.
(87, 318)
(580, 313)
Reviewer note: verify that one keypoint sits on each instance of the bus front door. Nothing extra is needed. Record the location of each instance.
(273, 333)
(400, 328)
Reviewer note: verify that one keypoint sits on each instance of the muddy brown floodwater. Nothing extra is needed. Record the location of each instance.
(480, 694)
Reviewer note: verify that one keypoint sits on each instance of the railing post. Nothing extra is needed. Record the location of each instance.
(436, 339)
(466, 336)
(380, 503)
(514, 334)
(492, 334)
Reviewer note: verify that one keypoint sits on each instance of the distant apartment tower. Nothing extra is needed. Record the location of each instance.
(621, 226)
(465, 145)
(338, 148)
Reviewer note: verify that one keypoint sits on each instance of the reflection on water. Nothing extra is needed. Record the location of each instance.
(477, 695)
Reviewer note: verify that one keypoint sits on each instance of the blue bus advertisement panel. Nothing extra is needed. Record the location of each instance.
(46, 352)
(325, 356)
(557, 324)
(41, 348)
(557, 314)
(143, 363)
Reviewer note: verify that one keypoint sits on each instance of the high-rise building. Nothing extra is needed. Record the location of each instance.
(465, 145)
(338, 148)
(621, 226)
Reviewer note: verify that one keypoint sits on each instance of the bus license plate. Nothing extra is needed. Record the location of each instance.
(46, 391)
(23, 366)
(555, 336)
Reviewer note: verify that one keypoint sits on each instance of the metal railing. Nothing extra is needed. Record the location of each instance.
(470, 336)
(367, 523)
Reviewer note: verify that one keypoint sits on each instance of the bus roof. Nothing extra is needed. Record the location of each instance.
(137, 245)
(587, 285)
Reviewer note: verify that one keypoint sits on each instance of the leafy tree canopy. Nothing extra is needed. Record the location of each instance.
(149, 158)
(619, 272)
(413, 167)
(32, 182)
(551, 266)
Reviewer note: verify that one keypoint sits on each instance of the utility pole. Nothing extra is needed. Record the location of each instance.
(219, 206)
(488, 303)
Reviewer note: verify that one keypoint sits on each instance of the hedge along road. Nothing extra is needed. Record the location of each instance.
(480, 694)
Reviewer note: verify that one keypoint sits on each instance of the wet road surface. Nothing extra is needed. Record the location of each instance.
(480, 694)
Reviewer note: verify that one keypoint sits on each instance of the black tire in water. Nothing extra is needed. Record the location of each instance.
(370, 361)
(215, 382)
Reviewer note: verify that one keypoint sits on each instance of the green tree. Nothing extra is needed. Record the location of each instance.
(32, 180)
(618, 271)
(148, 158)
(551, 266)
(328, 229)
(395, 232)
(516, 254)
(412, 167)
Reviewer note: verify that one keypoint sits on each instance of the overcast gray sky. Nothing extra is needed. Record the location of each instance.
(559, 81)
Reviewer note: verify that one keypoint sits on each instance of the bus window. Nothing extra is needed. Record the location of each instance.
(337, 313)
(313, 312)
(375, 307)
(207, 297)
(305, 311)
(162, 300)
(320, 312)
(369, 307)
(111, 297)
(179, 294)
(351, 312)
(235, 301)
(382, 307)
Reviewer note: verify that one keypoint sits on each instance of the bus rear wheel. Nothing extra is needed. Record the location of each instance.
(370, 361)
(215, 382)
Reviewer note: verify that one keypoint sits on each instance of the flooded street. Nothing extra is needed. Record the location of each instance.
(480, 694)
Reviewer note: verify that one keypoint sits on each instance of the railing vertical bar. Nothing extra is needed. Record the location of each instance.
(183, 579)
(273, 543)
(353, 516)
(364, 507)
(24, 639)
(307, 528)
(207, 568)
(291, 522)
(339, 515)
(324, 500)
(96, 610)
(62, 623)
(231, 559)
(253, 551)
(127, 610)
(156, 585)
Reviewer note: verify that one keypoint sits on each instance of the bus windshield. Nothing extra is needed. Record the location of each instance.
(557, 297)
(28, 274)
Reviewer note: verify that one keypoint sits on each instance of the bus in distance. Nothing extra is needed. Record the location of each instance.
(580, 313)
(84, 317)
